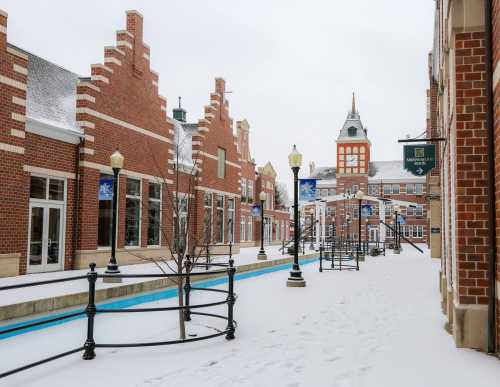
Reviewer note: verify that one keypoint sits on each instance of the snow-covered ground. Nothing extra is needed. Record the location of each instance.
(381, 326)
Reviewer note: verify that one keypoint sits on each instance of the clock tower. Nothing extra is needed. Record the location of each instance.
(353, 146)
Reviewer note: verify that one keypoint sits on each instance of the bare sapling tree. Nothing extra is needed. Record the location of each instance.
(182, 240)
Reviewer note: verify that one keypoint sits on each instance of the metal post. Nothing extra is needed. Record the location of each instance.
(359, 227)
(295, 279)
(207, 261)
(230, 300)
(112, 267)
(187, 288)
(262, 253)
(89, 346)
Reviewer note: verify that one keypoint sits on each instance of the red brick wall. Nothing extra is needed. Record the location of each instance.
(471, 169)
(13, 206)
(496, 111)
(124, 89)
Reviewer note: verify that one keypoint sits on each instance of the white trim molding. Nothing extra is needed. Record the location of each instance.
(17, 53)
(20, 69)
(48, 172)
(112, 59)
(19, 101)
(51, 131)
(18, 117)
(496, 75)
(11, 148)
(124, 43)
(85, 97)
(13, 83)
(121, 123)
(138, 175)
(207, 189)
(89, 85)
(101, 78)
(17, 133)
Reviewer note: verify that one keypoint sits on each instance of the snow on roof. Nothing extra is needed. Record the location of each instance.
(51, 94)
(353, 120)
(390, 170)
(324, 173)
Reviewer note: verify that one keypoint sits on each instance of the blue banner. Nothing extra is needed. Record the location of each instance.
(401, 219)
(366, 210)
(106, 189)
(256, 210)
(307, 190)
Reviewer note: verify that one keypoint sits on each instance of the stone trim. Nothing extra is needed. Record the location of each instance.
(89, 138)
(124, 43)
(101, 66)
(17, 53)
(101, 78)
(124, 124)
(85, 97)
(112, 59)
(496, 76)
(114, 49)
(106, 168)
(19, 101)
(13, 83)
(89, 85)
(17, 133)
(18, 117)
(87, 151)
(146, 56)
(11, 148)
(85, 124)
(3, 29)
(48, 172)
(126, 33)
(207, 189)
(20, 69)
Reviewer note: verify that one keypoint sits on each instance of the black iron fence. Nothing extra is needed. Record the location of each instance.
(92, 310)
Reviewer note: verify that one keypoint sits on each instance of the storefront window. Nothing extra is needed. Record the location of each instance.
(207, 217)
(105, 210)
(133, 213)
(219, 219)
(154, 218)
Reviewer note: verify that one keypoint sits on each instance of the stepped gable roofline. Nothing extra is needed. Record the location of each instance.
(268, 170)
(390, 171)
(50, 97)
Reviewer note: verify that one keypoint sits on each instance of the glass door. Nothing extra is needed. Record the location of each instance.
(45, 238)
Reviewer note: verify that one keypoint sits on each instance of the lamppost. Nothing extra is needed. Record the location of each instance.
(116, 162)
(367, 236)
(295, 279)
(311, 245)
(348, 236)
(397, 249)
(262, 254)
(359, 195)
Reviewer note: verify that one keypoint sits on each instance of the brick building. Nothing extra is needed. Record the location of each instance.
(464, 109)
(380, 179)
(57, 133)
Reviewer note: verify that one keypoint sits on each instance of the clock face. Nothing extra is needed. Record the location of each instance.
(351, 160)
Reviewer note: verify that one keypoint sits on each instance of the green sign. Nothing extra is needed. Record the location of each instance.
(420, 159)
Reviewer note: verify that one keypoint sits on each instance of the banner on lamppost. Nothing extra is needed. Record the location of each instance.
(256, 210)
(106, 188)
(307, 190)
(366, 210)
(419, 159)
(401, 219)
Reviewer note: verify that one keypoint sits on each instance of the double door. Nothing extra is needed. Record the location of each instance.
(45, 246)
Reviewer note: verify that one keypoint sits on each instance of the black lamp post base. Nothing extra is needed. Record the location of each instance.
(112, 269)
(397, 251)
(295, 283)
(262, 256)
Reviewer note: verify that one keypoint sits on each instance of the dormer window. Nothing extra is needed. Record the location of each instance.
(351, 132)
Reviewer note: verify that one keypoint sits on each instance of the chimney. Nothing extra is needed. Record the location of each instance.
(134, 26)
(220, 86)
(3, 29)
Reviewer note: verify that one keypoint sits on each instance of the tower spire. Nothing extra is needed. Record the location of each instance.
(353, 104)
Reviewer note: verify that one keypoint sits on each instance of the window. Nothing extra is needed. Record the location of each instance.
(250, 228)
(415, 232)
(355, 189)
(219, 219)
(419, 210)
(39, 188)
(242, 228)
(389, 233)
(419, 189)
(207, 217)
(105, 210)
(395, 189)
(243, 190)
(250, 191)
(133, 213)
(373, 190)
(410, 211)
(351, 132)
(420, 231)
(407, 231)
(180, 223)
(387, 189)
(410, 189)
(221, 163)
(332, 192)
(388, 210)
(230, 220)
(154, 210)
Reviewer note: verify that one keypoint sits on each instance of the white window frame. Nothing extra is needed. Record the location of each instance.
(161, 210)
(243, 227)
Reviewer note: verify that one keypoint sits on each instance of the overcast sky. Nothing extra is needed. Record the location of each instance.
(291, 65)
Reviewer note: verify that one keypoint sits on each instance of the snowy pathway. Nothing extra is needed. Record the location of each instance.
(381, 326)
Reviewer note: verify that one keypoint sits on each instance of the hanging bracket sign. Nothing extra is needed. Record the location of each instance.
(419, 159)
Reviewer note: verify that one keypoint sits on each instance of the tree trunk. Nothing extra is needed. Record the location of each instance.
(180, 291)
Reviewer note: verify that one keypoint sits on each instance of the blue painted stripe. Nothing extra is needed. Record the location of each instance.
(144, 298)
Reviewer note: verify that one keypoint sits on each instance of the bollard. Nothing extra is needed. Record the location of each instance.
(187, 289)
(230, 300)
(89, 346)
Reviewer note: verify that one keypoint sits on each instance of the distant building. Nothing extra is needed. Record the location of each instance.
(356, 171)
